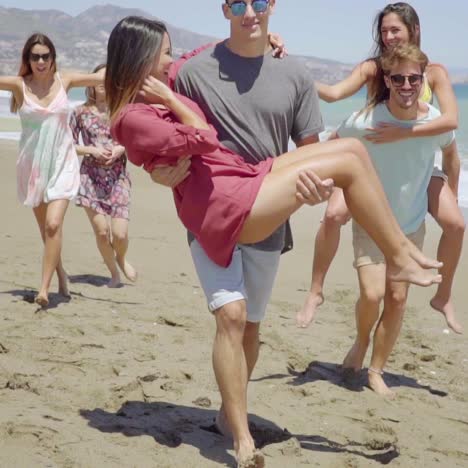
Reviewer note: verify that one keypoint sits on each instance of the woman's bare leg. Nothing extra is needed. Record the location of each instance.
(40, 214)
(53, 228)
(120, 244)
(103, 241)
(326, 245)
(444, 209)
(347, 163)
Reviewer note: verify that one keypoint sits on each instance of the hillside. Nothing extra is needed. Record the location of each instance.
(81, 40)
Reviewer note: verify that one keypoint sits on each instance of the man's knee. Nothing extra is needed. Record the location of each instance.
(231, 318)
(372, 294)
(395, 299)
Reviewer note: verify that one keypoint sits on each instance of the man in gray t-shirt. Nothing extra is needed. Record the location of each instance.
(256, 103)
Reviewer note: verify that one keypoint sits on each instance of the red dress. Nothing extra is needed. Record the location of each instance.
(215, 199)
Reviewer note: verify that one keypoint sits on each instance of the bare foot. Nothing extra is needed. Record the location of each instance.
(408, 270)
(222, 424)
(254, 459)
(306, 315)
(114, 282)
(127, 269)
(41, 300)
(355, 356)
(377, 384)
(447, 309)
(63, 284)
(425, 262)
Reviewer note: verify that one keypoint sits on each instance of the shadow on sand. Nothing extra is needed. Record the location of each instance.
(172, 425)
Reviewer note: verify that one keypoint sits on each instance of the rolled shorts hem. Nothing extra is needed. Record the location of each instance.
(226, 297)
(366, 251)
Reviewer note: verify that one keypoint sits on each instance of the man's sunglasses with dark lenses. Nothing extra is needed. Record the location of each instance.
(37, 57)
(413, 80)
(238, 8)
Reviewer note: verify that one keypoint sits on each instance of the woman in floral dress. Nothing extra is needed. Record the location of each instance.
(105, 183)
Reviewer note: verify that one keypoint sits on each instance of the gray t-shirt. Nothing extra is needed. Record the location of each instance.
(255, 105)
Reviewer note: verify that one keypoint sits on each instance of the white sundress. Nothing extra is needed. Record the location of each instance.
(48, 167)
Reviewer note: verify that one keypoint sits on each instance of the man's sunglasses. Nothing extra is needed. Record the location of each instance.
(239, 7)
(37, 57)
(399, 80)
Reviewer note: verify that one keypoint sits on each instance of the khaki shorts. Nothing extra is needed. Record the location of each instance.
(366, 251)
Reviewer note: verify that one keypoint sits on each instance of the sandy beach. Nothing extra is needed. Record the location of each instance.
(123, 377)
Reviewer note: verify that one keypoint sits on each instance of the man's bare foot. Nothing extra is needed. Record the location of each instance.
(408, 270)
(447, 309)
(127, 269)
(41, 300)
(377, 384)
(254, 459)
(306, 315)
(222, 424)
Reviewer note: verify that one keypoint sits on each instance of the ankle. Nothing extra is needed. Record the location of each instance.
(375, 370)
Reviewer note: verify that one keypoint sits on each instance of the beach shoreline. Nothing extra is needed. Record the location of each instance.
(123, 376)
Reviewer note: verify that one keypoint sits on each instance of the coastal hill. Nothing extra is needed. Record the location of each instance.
(81, 40)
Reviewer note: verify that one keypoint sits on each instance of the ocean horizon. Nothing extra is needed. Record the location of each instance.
(333, 115)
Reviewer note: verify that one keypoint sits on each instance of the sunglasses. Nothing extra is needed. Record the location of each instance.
(399, 80)
(238, 8)
(37, 57)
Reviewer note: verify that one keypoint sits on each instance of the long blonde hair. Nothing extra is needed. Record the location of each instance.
(133, 45)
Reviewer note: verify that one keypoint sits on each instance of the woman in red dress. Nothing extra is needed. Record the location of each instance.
(224, 200)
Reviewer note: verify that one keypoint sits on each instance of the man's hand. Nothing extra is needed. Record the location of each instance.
(171, 176)
(310, 189)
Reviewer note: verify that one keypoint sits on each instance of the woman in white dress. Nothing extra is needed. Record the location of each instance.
(48, 173)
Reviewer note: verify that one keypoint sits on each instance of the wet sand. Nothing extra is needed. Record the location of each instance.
(122, 377)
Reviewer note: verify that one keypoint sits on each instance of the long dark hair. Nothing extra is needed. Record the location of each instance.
(25, 67)
(376, 89)
(132, 48)
(90, 91)
(407, 15)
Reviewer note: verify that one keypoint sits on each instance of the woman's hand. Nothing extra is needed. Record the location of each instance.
(103, 155)
(276, 41)
(387, 133)
(156, 92)
(115, 154)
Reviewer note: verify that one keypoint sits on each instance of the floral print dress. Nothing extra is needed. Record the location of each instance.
(104, 189)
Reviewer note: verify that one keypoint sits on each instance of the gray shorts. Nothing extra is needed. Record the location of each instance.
(250, 276)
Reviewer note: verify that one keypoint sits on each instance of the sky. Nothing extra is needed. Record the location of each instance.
(332, 29)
